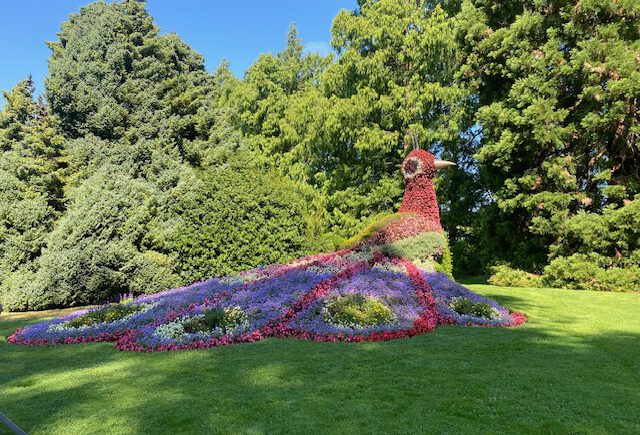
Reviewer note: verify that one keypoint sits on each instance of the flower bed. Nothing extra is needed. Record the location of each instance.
(390, 297)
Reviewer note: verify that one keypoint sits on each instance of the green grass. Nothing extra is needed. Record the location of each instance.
(574, 368)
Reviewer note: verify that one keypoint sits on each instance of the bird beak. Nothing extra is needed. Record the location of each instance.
(442, 164)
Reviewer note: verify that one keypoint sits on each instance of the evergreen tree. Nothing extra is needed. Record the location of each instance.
(32, 148)
(557, 84)
(112, 75)
(96, 251)
(267, 92)
(272, 107)
(31, 179)
(234, 217)
(218, 136)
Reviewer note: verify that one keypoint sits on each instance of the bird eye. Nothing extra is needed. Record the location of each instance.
(412, 167)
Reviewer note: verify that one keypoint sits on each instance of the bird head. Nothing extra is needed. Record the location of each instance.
(422, 163)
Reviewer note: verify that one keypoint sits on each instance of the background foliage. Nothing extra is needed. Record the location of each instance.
(139, 170)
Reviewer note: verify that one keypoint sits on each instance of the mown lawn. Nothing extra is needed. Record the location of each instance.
(573, 368)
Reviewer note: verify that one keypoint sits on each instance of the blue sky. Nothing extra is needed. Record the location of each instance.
(236, 30)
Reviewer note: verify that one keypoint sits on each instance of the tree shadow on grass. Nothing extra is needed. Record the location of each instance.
(453, 380)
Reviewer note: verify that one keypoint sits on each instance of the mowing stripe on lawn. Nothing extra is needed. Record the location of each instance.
(11, 425)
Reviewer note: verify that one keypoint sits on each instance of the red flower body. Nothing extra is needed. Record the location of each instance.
(420, 195)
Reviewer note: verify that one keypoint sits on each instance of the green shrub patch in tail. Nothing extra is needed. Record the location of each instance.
(429, 251)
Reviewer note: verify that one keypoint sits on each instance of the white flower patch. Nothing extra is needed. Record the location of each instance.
(361, 255)
(241, 278)
(318, 270)
(412, 167)
(176, 329)
(390, 267)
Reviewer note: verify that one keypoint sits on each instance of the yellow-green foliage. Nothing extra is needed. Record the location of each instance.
(357, 310)
(591, 272)
(469, 307)
(110, 314)
(505, 276)
(427, 245)
(445, 265)
(428, 250)
(371, 229)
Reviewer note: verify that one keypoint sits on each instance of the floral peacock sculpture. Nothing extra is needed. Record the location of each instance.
(392, 280)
